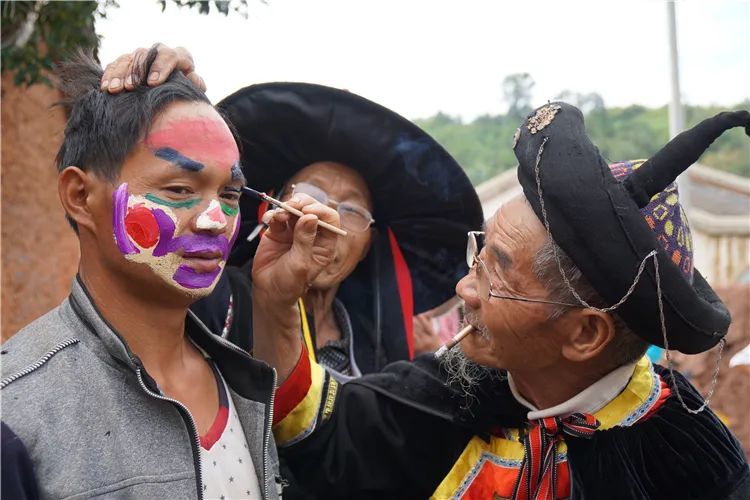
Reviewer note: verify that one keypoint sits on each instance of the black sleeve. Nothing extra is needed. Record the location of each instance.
(18, 480)
(241, 330)
(380, 441)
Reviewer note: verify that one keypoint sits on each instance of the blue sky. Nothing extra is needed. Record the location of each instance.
(419, 57)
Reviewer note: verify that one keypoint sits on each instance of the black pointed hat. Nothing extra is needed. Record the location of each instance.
(423, 202)
(596, 220)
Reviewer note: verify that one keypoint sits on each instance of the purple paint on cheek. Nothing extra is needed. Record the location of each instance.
(187, 277)
(236, 231)
(166, 233)
(119, 211)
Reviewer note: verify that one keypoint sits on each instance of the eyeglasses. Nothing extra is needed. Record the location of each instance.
(353, 217)
(485, 288)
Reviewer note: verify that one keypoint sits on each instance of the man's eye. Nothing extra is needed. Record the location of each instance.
(179, 190)
(230, 196)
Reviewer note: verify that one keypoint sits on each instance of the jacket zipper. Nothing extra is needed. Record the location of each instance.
(269, 414)
(267, 434)
(196, 441)
(35, 366)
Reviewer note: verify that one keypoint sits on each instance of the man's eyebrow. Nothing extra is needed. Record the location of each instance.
(176, 158)
(502, 257)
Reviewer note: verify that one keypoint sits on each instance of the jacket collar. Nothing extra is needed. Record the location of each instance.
(248, 377)
(590, 400)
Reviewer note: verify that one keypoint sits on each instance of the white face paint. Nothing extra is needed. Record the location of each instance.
(212, 218)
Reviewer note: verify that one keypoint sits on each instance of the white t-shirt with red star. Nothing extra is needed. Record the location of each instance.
(226, 465)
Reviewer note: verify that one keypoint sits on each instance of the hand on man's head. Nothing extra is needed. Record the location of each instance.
(118, 74)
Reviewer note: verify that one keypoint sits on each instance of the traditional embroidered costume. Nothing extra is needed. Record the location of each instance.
(640, 432)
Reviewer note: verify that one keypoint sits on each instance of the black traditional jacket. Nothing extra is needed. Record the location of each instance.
(405, 433)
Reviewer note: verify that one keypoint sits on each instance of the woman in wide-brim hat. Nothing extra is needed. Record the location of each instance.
(421, 205)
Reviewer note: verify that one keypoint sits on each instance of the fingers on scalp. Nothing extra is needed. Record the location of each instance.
(116, 72)
(131, 76)
(185, 61)
(196, 80)
(163, 65)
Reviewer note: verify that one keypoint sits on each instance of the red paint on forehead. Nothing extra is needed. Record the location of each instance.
(200, 139)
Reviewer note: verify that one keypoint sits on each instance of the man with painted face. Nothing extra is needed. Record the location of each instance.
(120, 391)
(551, 396)
(404, 201)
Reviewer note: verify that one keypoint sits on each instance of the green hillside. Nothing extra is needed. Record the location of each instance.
(483, 146)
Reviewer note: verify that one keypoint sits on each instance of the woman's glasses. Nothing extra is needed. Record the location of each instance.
(353, 217)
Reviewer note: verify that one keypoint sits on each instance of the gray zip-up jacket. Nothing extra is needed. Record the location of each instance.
(94, 423)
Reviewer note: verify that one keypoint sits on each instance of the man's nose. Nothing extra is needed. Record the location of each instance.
(212, 218)
(466, 289)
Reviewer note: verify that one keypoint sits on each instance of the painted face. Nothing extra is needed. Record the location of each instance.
(145, 230)
(180, 218)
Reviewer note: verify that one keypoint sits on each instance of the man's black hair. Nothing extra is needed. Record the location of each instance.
(104, 128)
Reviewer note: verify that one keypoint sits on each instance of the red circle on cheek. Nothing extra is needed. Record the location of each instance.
(141, 226)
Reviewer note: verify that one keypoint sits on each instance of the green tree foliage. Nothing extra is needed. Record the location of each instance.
(38, 33)
(35, 34)
(483, 146)
(204, 6)
(517, 90)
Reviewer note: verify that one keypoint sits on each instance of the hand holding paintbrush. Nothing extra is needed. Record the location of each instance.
(290, 209)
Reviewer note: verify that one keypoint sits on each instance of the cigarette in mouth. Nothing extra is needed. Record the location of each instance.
(455, 340)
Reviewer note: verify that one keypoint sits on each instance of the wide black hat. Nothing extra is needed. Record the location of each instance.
(423, 202)
(596, 220)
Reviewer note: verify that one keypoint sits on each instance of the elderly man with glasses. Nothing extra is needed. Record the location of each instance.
(551, 396)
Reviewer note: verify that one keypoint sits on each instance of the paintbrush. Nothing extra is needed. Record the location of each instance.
(454, 341)
(291, 210)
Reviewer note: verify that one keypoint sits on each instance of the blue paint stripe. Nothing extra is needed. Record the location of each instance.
(175, 157)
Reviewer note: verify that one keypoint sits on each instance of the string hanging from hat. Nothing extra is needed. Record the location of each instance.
(670, 363)
(641, 267)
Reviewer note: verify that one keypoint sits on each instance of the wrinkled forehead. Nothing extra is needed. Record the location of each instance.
(203, 139)
(516, 225)
(337, 180)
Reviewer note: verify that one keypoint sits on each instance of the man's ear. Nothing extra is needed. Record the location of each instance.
(590, 331)
(75, 188)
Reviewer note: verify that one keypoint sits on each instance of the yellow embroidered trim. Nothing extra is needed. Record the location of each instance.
(635, 399)
(306, 333)
(301, 420)
(333, 387)
(505, 452)
(634, 396)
